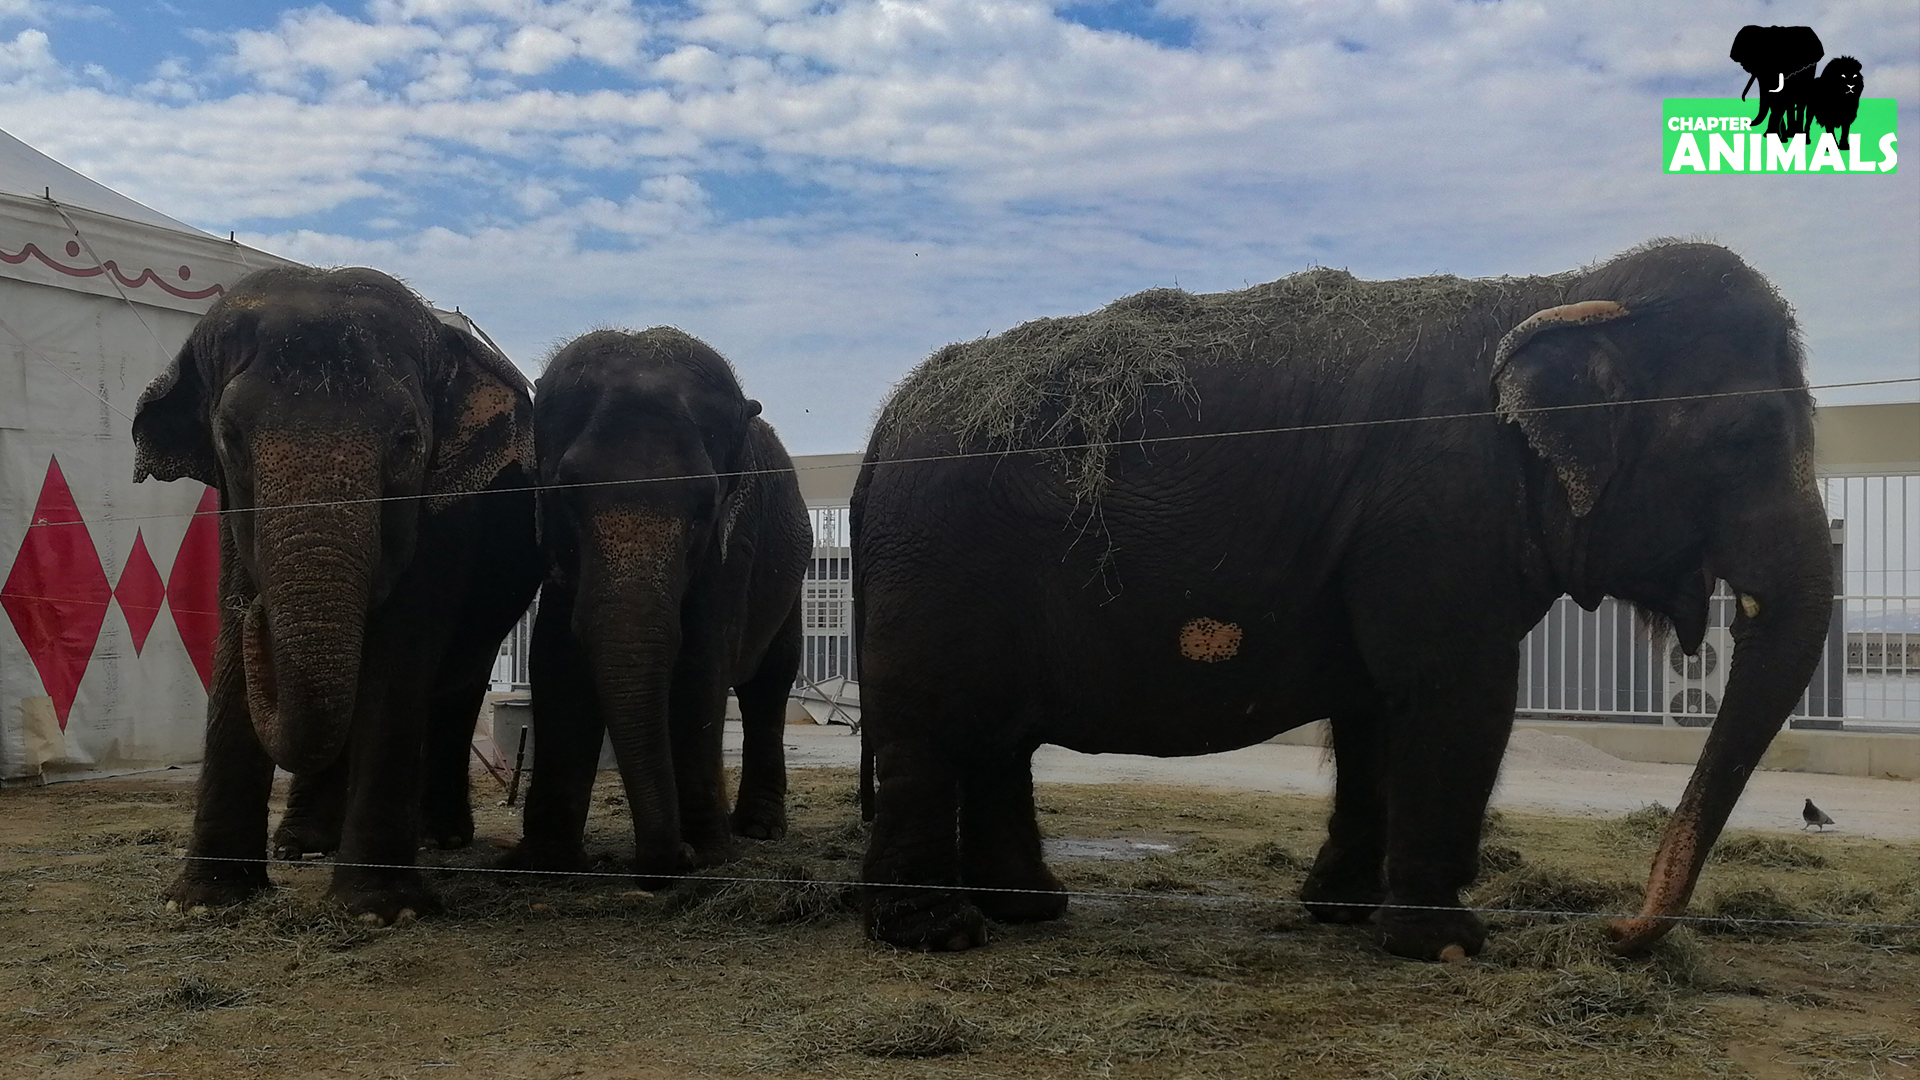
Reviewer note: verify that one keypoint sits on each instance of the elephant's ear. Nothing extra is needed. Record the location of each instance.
(172, 434)
(483, 420)
(1553, 376)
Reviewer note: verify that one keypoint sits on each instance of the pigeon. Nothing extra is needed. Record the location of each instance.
(1813, 815)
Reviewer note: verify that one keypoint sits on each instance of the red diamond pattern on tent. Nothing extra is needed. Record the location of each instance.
(57, 594)
(193, 586)
(140, 592)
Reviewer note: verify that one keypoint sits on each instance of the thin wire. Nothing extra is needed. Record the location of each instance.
(112, 278)
(1005, 452)
(45, 359)
(85, 602)
(1090, 894)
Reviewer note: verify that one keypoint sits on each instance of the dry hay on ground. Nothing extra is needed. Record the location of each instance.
(1198, 976)
(1071, 383)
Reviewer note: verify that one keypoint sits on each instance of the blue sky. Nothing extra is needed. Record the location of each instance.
(830, 191)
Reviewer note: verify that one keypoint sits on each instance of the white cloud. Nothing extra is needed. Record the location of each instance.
(1036, 166)
(319, 41)
(533, 49)
(28, 58)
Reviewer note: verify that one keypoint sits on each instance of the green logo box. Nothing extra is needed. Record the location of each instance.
(1713, 136)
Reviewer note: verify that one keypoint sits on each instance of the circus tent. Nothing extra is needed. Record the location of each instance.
(108, 587)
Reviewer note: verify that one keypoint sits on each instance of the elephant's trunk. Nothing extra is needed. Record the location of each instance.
(301, 641)
(1785, 605)
(628, 615)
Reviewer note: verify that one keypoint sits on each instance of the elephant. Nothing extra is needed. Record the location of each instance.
(1836, 96)
(1186, 523)
(1785, 57)
(676, 542)
(376, 543)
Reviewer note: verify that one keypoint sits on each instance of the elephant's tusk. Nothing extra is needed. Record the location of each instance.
(1783, 83)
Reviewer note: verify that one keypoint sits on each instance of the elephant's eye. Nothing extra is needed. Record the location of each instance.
(233, 444)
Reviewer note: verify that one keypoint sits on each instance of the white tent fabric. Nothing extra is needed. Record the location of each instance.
(107, 586)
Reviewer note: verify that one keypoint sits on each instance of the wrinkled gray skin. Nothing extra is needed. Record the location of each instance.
(661, 594)
(1381, 575)
(363, 589)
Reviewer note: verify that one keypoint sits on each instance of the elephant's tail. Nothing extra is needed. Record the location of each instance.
(866, 777)
(856, 511)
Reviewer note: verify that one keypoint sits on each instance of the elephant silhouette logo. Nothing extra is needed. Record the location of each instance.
(1781, 60)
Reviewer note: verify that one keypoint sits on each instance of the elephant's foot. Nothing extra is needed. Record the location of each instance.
(1450, 934)
(706, 856)
(926, 920)
(296, 840)
(760, 818)
(1030, 894)
(663, 866)
(196, 890)
(1343, 903)
(383, 897)
(1343, 888)
(448, 828)
(535, 857)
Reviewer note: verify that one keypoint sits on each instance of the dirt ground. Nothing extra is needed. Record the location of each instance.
(1197, 968)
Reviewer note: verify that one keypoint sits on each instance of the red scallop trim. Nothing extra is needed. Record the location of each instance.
(145, 275)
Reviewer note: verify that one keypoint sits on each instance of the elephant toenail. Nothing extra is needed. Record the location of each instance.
(173, 907)
(405, 917)
(1453, 954)
(371, 919)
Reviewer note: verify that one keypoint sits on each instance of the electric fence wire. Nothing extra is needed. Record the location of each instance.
(1090, 894)
(1001, 452)
(27, 346)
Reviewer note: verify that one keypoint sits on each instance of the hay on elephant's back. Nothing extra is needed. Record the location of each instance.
(1067, 385)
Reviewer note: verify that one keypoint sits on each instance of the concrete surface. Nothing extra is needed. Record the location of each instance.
(1543, 775)
(1840, 753)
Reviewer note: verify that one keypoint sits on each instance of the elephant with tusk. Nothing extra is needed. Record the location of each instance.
(376, 543)
(1186, 523)
(1780, 59)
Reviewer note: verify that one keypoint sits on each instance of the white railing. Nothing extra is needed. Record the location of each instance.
(826, 612)
(1605, 664)
(827, 600)
(510, 666)
(1608, 665)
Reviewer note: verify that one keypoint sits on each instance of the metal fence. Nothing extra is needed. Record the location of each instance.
(510, 667)
(1605, 664)
(826, 612)
(1608, 665)
(827, 600)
